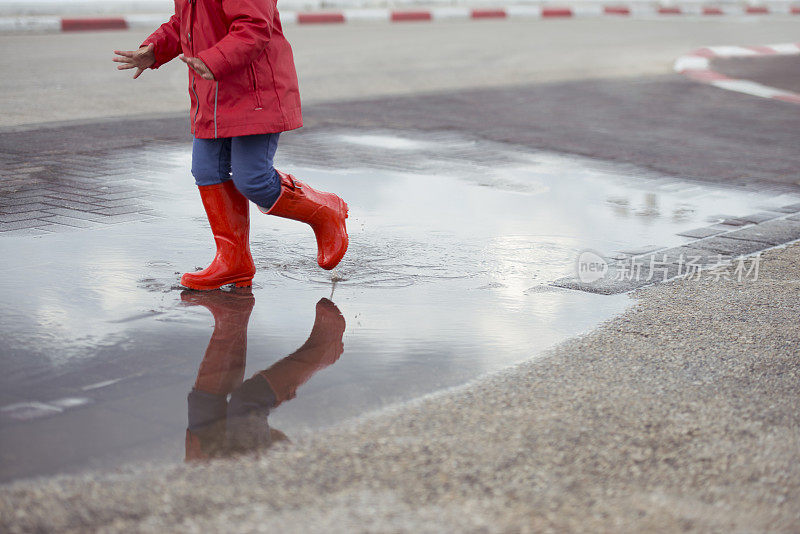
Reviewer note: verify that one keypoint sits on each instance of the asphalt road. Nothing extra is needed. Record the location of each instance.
(59, 77)
(773, 71)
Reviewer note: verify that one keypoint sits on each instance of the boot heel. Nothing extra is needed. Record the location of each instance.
(244, 283)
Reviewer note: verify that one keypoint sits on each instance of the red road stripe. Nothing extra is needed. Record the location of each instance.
(616, 10)
(788, 98)
(319, 18)
(118, 23)
(709, 76)
(554, 12)
(488, 13)
(764, 50)
(703, 52)
(409, 16)
(79, 25)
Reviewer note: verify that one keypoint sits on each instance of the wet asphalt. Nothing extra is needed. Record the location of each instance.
(430, 301)
(664, 123)
(676, 416)
(680, 415)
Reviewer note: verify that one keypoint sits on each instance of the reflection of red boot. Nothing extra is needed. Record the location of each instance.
(205, 433)
(322, 348)
(251, 402)
(324, 212)
(228, 214)
(221, 370)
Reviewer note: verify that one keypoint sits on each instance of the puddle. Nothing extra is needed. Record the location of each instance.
(446, 279)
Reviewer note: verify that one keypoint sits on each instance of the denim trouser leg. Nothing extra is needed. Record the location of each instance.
(253, 173)
(211, 161)
(249, 157)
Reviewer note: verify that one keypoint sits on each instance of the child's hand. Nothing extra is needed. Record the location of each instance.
(197, 65)
(140, 59)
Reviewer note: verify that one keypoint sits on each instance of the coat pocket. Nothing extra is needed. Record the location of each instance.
(254, 87)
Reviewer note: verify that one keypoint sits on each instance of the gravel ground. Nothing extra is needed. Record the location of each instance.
(679, 415)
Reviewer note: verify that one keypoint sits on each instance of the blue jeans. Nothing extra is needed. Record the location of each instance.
(247, 159)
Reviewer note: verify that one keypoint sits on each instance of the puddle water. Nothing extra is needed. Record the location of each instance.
(446, 279)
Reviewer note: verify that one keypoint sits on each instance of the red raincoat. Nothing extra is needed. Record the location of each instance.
(255, 89)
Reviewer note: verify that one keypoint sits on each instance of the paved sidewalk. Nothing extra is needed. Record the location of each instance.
(40, 194)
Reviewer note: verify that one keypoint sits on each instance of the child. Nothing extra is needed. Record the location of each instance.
(243, 91)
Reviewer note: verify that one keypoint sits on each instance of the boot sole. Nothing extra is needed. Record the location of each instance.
(244, 282)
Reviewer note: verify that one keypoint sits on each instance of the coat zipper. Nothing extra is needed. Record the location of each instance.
(194, 76)
(255, 87)
(216, 99)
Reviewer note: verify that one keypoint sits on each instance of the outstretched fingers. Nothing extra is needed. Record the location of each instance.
(127, 61)
(188, 60)
(139, 59)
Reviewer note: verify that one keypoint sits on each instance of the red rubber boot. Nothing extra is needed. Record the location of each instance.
(228, 214)
(324, 212)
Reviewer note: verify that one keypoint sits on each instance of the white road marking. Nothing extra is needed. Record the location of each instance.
(695, 62)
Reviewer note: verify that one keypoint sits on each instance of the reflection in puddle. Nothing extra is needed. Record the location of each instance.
(453, 243)
(219, 426)
(383, 141)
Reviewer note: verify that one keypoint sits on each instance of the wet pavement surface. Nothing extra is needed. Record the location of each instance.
(455, 245)
(668, 124)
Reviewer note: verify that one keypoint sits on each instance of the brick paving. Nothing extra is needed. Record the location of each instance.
(640, 270)
(53, 192)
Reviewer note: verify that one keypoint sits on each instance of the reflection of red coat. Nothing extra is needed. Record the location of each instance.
(242, 42)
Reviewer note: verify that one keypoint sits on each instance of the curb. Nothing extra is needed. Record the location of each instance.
(697, 66)
(61, 24)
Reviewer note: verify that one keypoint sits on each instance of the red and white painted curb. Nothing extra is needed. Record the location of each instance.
(697, 66)
(42, 23)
